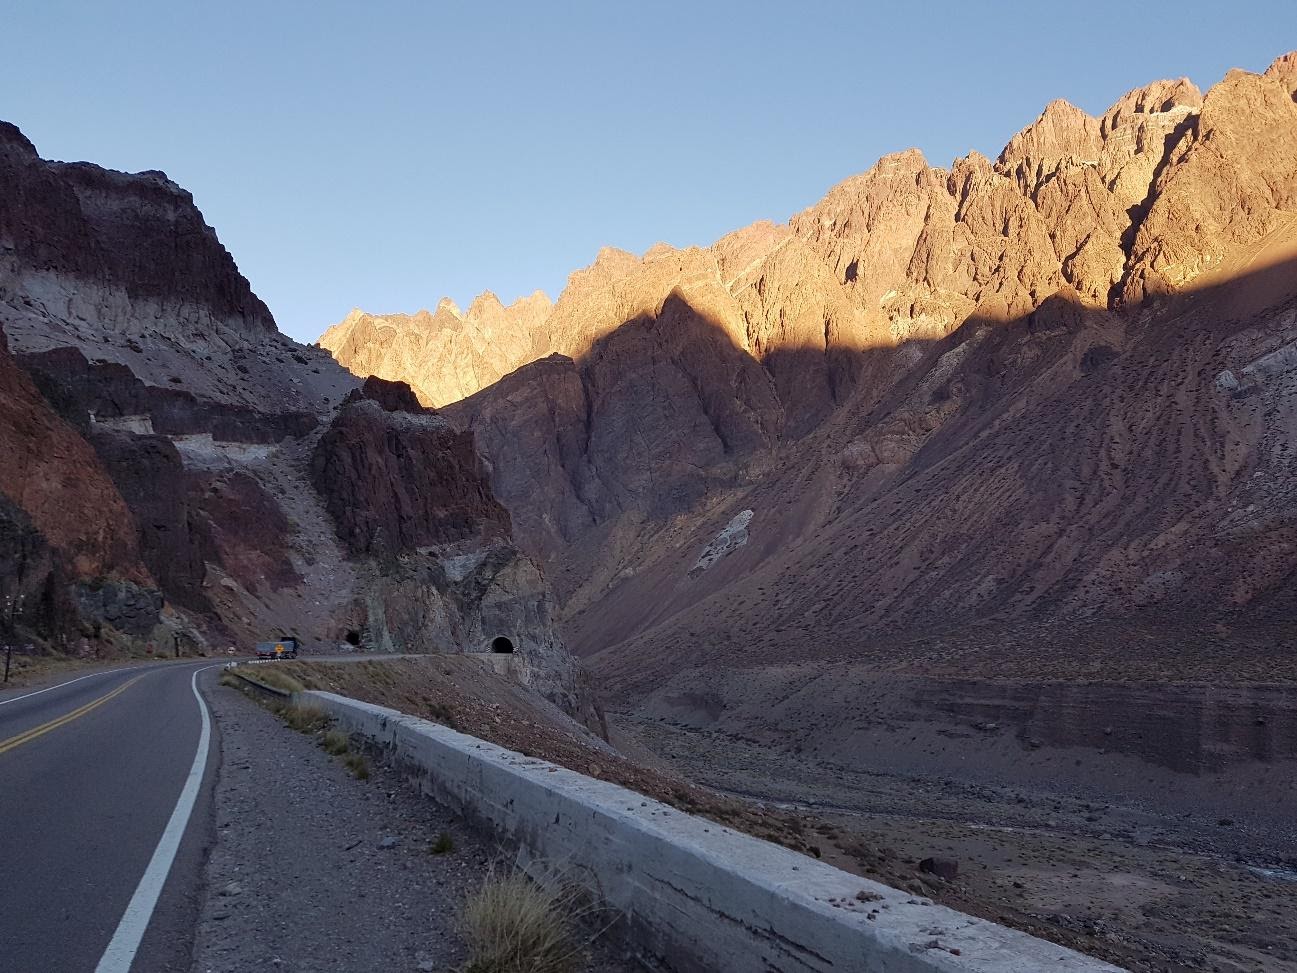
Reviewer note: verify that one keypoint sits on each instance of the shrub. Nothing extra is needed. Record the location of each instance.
(336, 742)
(269, 675)
(305, 719)
(358, 765)
(515, 925)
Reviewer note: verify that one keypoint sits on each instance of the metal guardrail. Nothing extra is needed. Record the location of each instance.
(268, 691)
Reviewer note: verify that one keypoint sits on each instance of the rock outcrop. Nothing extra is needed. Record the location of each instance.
(408, 490)
(80, 234)
(397, 477)
(123, 267)
(176, 467)
(1226, 184)
(1008, 413)
(446, 354)
(53, 474)
(71, 566)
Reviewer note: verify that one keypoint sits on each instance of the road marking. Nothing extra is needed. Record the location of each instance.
(126, 940)
(47, 689)
(32, 734)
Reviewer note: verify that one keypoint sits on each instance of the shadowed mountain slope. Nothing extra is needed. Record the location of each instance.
(995, 415)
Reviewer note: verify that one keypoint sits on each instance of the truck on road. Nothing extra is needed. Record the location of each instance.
(279, 649)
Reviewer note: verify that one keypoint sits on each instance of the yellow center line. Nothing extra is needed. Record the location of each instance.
(32, 734)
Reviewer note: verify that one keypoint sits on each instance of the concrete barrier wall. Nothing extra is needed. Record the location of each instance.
(699, 896)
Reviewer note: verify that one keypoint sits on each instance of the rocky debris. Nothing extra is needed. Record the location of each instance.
(729, 540)
(1157, 885)
(945, 868)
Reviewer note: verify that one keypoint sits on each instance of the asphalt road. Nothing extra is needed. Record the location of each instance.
(105, 818)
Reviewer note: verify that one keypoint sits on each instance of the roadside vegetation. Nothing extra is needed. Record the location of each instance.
(513, 924)
(336, 742)
(357, 764)
(304, 718)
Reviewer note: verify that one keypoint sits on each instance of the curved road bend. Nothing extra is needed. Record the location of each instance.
(105, 808)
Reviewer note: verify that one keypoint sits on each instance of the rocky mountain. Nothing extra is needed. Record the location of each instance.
(182, 473)
(1013, 416)
(447, 354)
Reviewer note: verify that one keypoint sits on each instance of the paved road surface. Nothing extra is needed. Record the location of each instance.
(99, 818)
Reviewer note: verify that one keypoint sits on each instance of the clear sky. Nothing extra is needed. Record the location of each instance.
(382, 154)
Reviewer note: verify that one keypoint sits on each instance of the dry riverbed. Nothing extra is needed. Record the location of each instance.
(1117, 880)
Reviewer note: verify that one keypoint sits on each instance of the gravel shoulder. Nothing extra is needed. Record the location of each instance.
(314, 870)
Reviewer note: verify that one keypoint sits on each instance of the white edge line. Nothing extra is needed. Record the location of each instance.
(121, 950)
(88, 675)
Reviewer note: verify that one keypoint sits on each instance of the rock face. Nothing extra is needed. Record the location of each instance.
(447, 354)
(397, 477)
(405, 487)
(54, 476)
(70, 560)
(164, 445)
(84, 230)
(124, 268)
(1228, 183)
(1013, 414)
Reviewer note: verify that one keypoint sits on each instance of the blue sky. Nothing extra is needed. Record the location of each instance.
(382, 154)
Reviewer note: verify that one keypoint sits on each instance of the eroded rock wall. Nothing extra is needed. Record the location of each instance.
(409, 493)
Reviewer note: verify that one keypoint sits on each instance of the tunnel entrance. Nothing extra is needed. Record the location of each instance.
(501, 643)
(353, 637)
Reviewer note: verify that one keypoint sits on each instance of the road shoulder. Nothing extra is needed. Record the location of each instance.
(315, 870)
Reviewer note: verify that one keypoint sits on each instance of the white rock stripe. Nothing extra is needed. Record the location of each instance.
(126, 940)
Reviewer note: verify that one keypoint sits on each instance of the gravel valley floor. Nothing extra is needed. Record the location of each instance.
(1156, 893)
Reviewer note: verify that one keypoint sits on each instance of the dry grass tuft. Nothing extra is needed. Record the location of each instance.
(305, 719)
(336, 742)
(358, 765)
(268, 675)
(516, 925)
